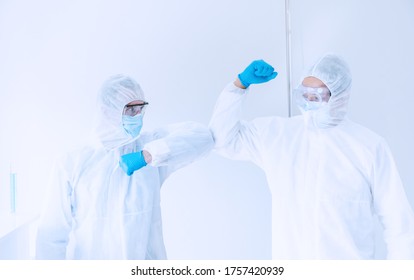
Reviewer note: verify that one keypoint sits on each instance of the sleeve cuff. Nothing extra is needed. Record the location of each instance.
(232, 88)
(159, 151)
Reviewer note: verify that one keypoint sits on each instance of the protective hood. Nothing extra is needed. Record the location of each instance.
(335, 74)
(115, 93)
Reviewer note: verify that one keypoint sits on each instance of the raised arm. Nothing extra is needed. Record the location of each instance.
(234, 138)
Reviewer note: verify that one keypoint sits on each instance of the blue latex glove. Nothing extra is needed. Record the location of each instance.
(256, 73)
(132, 162)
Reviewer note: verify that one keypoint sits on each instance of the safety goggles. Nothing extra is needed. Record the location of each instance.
(134, 109)
(319, 94)
(310, 98)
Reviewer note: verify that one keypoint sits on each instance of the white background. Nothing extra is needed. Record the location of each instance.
(54, 55)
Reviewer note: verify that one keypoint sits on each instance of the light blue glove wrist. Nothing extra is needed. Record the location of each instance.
(132, 162)
(256, 73)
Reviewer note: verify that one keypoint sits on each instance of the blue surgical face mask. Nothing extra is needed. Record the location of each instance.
(132, 124)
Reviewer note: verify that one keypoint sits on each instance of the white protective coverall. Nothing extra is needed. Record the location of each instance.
(96, 211)
(328, 176)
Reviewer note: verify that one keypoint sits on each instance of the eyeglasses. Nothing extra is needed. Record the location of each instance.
(134, 109)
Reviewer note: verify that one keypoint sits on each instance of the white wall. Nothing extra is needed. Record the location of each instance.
(55, 54)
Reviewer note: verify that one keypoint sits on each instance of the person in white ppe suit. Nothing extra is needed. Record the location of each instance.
(328, 176)
(105, 198)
